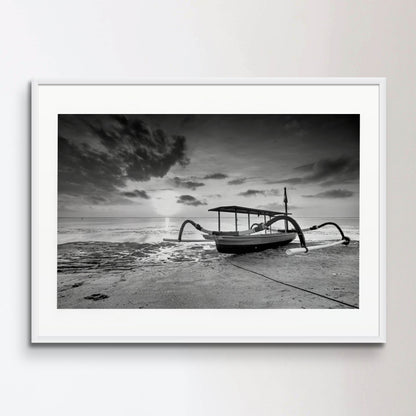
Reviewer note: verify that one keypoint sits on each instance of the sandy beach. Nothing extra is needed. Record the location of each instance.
(102, 275)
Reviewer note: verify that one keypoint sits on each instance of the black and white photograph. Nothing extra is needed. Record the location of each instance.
(208, 211)
(208, 208)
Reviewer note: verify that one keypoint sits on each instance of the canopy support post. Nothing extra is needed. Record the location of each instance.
(248, 220)
(235, 216)
(219, 221)
(285, 201)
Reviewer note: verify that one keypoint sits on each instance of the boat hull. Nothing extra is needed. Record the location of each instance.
(247, 244)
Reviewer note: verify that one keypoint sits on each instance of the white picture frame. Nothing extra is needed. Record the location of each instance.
(366, 96)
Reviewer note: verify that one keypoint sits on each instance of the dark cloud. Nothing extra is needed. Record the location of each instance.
(252, 192)
(238, 181)
(99, 153)
(186, 183)
(256, 192)
(136, 194)
(190, 200)
(327, 172)
(215, 176)
(334, 193)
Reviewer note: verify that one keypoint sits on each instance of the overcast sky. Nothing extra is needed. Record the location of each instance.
(182, 165)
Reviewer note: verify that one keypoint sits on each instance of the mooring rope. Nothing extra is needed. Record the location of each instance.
(295, 287)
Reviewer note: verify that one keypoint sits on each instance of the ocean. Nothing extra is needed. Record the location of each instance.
(154, 229)
(87, 244)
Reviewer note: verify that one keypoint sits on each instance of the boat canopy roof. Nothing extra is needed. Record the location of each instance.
(245, 210)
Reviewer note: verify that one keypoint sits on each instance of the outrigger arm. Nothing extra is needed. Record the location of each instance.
(194, 224)
(197, 226)
(344, 240)
(285, 218)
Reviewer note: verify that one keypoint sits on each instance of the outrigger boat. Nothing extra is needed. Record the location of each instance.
(258, 236)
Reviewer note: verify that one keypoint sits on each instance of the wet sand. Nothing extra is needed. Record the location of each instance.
(100, 275)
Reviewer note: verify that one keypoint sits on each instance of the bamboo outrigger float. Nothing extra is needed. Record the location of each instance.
(258, 236)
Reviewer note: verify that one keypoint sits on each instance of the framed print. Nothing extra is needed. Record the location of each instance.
(219, 210)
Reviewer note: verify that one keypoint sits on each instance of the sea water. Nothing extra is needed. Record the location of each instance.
(110, 244)
(154, 229)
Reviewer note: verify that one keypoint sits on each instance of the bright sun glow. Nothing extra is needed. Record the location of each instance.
(165, 203)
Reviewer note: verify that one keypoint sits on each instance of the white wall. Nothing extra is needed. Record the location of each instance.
(132, 39)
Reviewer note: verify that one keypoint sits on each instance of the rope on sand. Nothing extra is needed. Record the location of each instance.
(295, 287)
